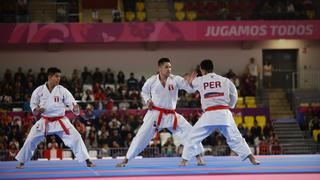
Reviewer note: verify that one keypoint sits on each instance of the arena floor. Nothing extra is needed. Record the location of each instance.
(272, 168)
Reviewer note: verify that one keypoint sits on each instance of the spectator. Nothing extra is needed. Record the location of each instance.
(121, 77)
(248, 87)
(315, 123)
(263, 147)
(169, 148)
(88, 96)
(75, 79)
(105, 150)
(61, 13)
(141, 82)
(308, 116)
(230, 74)
(275, 147)
(115, 140)
(7, 77)
(42, 77)
(116, 15)
(97, 76)
(12, 152)
(109, 104)
(256, 130)
(39, 152)
(253, 68)
(103, 138)
(30, 76)
(22, 11)
(99, 95)
(53, 144)
(20, 77)
(243, 130)
(95, 16)
(128, 140)
(132, 83)
(267, 129)
(135, 104)
(86, 77)
(267, 74)
(109, 77)
(114, 125)
(92, 140)
(112, 94)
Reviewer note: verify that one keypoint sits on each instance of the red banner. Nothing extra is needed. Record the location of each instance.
(158, 31)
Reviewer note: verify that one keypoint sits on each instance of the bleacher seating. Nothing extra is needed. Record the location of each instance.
(240, 103)
(315, 135)
(261, 120)
(130, 16)
(140, 11)
(238, 119)
(249, 121)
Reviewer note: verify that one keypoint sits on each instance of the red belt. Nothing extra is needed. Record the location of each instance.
(52, 119)
(213, 108)
(166, 111)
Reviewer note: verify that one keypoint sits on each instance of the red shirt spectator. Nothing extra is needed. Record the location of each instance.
(263, 147)
(275, 148)
(99, 95)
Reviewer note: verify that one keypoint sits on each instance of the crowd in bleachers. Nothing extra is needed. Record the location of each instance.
(180, 10)
(111, 92)
(311, 119)
(109, 89)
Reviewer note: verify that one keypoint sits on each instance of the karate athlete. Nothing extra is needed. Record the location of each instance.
(49, 101)
(218, 95)
(160, 93)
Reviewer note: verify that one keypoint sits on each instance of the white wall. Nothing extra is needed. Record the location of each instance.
(133, 57)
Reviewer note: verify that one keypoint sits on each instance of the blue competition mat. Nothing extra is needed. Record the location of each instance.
(161, 166)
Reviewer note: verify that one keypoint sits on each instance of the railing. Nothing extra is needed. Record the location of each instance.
(99, 153)
(306, 79)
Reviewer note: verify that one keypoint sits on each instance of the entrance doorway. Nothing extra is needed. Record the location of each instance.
(284, 65)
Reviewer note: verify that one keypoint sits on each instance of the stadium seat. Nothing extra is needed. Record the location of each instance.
(240, 103)
(315, 134)
(238, 120)
(191, 15)
(251, 106)
(141, 16)
(249, 100)
(178, 6)
(240, 106)
(262, 120)
(240, 100)
(180, 15)
(140, 6)
(130, 16)
(249, 121)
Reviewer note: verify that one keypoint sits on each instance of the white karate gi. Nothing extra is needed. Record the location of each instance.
(163, 97)
(54, 104)
(219, 93)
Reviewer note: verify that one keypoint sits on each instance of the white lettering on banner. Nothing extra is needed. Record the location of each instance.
(236, 31)
(260, 30)
(292, 30)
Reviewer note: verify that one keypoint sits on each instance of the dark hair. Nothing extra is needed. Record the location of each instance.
(53, 70)
(162, 61)
(207, 65)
